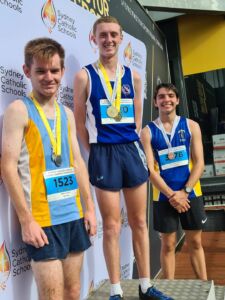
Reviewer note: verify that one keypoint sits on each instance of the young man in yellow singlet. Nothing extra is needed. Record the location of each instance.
(45, 174)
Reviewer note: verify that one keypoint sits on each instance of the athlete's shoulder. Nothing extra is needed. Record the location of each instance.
(68, 111)
(17, 106)
(192, 124)
(190, 121)
(153, 123)
(16, 112)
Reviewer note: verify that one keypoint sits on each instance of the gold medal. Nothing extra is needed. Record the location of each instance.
(171, 155)
(118, 117)
(112, 112)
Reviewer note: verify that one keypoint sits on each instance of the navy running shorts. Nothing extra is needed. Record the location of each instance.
(116, 166)
(63, 239)
(166, 218)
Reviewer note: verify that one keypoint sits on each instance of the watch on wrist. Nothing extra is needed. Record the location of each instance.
(187, 189)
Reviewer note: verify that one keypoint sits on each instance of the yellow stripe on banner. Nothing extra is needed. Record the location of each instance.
(77, 200)
(39, 203)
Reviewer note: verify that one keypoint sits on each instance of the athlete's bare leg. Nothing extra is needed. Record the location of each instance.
(136, 202)
(71, 270)
(49, 278)
(194, 242)
(167, 254)
(109, 205)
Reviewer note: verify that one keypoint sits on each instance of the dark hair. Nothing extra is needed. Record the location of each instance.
(168, 86)
(106, 19)
(43, 48)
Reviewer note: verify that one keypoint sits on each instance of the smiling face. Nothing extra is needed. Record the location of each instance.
(108, 38)
(166, 101)
(45, 76)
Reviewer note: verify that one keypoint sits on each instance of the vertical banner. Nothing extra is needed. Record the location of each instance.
(70, 23)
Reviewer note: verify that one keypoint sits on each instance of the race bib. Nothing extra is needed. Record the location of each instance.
(180, 157)
(126, 111)
(60, 184)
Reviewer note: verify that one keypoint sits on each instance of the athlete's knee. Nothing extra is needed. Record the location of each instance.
(111, 229)
(51, 293)
(137, 224)
(72, 292)
(195, 244)
(168, 247)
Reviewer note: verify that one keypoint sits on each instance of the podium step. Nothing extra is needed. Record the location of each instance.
(220, 292)
(177, 289)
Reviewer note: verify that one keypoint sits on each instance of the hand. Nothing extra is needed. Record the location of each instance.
(33, 234)
(90, 222)
(180, 208)
(180, 201)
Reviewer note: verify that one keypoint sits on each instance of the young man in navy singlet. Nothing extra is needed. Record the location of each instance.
(108, 108)
(174, 151)
(44, 173)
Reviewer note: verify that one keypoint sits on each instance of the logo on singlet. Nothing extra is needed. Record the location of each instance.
(181, 134)
(126, 89)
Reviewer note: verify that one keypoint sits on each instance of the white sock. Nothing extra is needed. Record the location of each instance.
(145, 283)
(115, 289)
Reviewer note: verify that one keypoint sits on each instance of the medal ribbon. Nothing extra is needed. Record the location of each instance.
(113, 95)
(168, 142)
(55, 138)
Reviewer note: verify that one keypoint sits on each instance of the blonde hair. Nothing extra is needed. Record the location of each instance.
(106, 19)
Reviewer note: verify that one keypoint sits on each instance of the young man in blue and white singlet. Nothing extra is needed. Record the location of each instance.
(174, 151)
(108, 107)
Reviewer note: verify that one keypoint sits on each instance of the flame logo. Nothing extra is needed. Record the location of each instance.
(128, 54)
(91, 41)
(122, 216)
(4, 266)
(91, 287)
(48, 15)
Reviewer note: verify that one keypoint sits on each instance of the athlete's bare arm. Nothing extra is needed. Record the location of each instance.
(14, 125)
(156, 179)
(81, 91)
(197, 155)
(197, 159)
(137, 100)
(82, 178)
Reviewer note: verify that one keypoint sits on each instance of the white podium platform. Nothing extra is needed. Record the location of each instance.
(177, 289)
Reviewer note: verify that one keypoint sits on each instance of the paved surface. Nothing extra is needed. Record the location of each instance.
(177, 289)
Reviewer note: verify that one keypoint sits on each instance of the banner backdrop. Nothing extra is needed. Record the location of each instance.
(70, 24)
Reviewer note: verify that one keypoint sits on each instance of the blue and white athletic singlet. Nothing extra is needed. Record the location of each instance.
(99, 132)
(175, 172)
